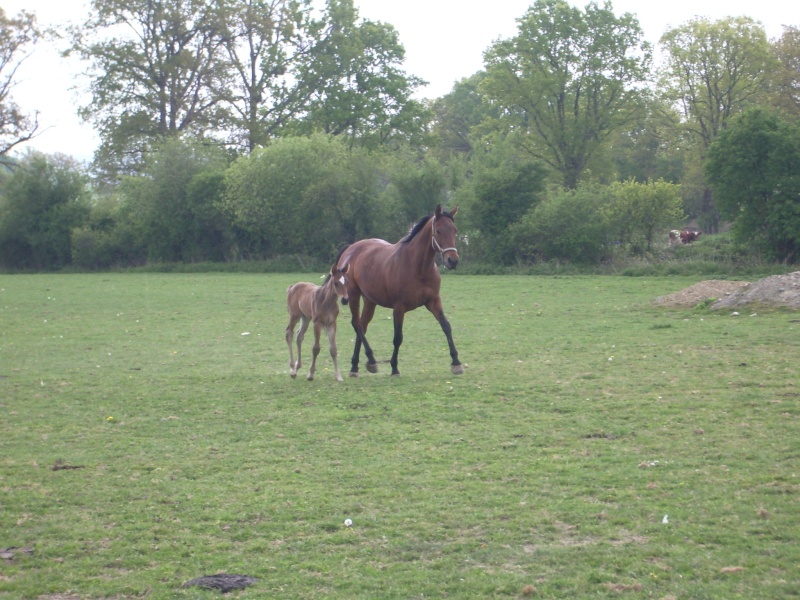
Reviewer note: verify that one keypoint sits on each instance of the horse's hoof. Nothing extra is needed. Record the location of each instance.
(340, 379)
(293, 375)
(396, 374)
(457, 369)
(310, 378)
(353, 374)
(372, 367)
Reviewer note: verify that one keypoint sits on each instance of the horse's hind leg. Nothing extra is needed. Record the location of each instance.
(314, 351)
(301, 333)
(397, 317)
(360, 324)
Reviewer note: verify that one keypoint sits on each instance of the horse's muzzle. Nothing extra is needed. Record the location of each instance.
(451, 261)
(345, 301)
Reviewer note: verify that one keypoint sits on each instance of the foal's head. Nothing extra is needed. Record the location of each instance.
(338, 277)
(444, 236)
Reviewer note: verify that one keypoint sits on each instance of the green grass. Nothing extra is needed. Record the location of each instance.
(586, 414)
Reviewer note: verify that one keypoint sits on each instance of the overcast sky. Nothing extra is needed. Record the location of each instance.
(444, 43)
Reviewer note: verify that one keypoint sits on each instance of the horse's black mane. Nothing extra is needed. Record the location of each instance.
(415, 229)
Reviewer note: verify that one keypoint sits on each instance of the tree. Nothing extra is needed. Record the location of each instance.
(504, 186)
(754, 169)
(569, 225)
(266, 44)
(155, 73)
(303, 196)
(358, 88)
(16, 35)
(567, 81)
(463, 116)
(714, 70)
(640, 210)
(40, 204)
(172, 204)
(653, 148)
(787, 75)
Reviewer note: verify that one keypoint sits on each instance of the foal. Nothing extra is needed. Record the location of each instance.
(318, 303)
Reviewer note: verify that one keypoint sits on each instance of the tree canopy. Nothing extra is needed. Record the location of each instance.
(567, 81)
(754, 168)
(17, 36)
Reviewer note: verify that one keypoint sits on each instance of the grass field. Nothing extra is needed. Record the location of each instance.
(597, 446)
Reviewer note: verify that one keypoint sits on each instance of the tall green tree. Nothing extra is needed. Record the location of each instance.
(43, 200)
(155, 72)
(786, 89)
(754, 168)
(567, 81)
(462, 117)
(17, 36)
(359, 88)
(714, 70)
(267, 44)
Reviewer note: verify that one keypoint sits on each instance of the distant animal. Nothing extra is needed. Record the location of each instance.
(684, 237)
(401, 276)
(687, 237)
(309, 303)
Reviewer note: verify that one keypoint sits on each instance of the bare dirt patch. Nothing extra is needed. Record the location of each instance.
(775, 291)
(701, 292)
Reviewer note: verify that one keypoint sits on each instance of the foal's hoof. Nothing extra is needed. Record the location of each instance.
(293, 375)
(372, 367)
(457, 369)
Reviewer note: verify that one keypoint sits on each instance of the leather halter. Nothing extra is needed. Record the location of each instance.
(436, 246)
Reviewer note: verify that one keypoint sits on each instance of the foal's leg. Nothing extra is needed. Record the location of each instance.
(435, 306)
(301, 334)
(314, 351)
(290, 342)
(331, 331)
(397, 316)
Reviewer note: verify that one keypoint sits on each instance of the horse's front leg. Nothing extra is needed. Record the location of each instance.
(331, 331)
(360, 324)
(435, 306)
(397, 316)
(290, 343)
(314, 350)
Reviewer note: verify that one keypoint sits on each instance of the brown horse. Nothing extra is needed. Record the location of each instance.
(401, 276)
(318, 303)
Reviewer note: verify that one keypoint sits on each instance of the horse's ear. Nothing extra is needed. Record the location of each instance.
(345, 269)
(438, 212)
(454, 212)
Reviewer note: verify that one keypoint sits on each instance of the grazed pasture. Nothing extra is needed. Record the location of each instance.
(150, 434)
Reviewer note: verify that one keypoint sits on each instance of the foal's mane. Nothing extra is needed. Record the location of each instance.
(415, 229)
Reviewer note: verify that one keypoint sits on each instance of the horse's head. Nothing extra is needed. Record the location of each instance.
(339, 278)
(443, 236)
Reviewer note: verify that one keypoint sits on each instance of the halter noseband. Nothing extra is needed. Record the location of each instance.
(436, 247)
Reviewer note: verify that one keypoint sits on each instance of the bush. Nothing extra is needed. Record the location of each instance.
(570, 225)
